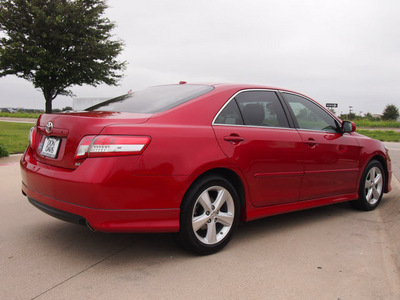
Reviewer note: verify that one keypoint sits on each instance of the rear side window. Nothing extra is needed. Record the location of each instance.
(154, 99)
(254, 108)
(230, 115)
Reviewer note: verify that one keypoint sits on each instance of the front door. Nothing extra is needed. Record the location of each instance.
(331, 161)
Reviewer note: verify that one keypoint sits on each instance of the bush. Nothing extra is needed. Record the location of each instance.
(3, 151)
(391, 112)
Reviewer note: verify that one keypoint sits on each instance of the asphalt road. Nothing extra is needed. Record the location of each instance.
(332, 252)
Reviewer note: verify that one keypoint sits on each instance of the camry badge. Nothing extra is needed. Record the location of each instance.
(49, 127)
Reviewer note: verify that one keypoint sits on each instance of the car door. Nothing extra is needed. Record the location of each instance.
(331, 158)
(253, 131)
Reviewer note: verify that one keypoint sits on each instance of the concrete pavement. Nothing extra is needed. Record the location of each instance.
(333, 252)
(394, 152)
(18, 120)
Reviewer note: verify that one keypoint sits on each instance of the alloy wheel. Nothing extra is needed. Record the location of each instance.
(373, 185)
(213, 215)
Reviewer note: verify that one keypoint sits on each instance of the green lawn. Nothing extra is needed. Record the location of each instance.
(376, 124)
(14, 136)
(382, 135)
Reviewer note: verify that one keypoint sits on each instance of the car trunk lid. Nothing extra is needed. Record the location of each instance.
(58, 135)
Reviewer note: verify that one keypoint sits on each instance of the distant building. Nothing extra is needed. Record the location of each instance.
(376, 116)
(8, 110)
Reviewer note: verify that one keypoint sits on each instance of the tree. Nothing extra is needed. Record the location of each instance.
(391, 112)
(58, 44)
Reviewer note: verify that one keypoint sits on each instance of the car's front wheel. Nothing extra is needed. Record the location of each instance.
(371, 187)
(209, 215)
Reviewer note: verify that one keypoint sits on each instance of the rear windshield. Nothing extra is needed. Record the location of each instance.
(154, 99)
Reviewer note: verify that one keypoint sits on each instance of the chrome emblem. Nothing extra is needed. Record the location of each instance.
(49, 127)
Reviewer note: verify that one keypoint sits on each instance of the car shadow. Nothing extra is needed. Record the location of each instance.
(77, 241)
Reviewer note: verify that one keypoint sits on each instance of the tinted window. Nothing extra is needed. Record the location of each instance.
(309, 115)
(261, 108)
(230, 115)
(154, 99)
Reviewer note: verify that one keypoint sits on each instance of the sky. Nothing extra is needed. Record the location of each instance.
(345, 52)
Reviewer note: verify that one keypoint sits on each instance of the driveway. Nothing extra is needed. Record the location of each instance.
(333, 252)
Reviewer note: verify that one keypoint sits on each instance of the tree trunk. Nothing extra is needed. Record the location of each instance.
(49, 103)
(48, 106)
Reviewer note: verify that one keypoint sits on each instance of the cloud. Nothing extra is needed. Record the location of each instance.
(334, 51)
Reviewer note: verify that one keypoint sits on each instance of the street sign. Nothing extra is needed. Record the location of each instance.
(331, 105)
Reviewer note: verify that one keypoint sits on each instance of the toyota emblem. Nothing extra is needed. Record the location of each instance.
(49, 127)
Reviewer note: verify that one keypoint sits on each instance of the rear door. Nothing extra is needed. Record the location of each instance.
(331, 159)
(253, 131)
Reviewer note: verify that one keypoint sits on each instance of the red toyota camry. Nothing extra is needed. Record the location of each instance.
(195, 159)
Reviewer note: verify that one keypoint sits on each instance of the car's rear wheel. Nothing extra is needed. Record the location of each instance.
(209, 215)
(371, 187)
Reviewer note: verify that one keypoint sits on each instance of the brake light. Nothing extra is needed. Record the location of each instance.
(32, 134)
(111, 145)
(83, 147)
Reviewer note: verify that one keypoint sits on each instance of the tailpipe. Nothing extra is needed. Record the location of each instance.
(90, 227)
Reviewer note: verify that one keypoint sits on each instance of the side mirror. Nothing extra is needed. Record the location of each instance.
(348, 126)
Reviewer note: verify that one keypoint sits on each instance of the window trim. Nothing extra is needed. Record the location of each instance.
(296, 124)
(277, 93)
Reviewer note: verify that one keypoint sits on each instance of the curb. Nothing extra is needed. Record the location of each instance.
(10, 160)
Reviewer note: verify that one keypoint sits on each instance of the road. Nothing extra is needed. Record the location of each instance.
(17, 120)
(332, 252)
(394, 152)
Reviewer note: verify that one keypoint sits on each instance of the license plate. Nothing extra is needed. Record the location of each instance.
(50, 147)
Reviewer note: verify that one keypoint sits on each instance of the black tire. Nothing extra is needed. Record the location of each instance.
(207, 224)
(371, 189)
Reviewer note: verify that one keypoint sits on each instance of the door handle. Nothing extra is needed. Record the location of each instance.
(233, 138)
(311, 142)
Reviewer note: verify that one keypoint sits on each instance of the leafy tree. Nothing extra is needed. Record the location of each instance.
(58, 44)
(368, 116)
(351, 116)
(391, 112)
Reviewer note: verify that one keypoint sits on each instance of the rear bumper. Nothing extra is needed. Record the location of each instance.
(107, 220)
(106, 194)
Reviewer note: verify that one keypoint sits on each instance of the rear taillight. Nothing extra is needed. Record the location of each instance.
(83, 147)
(111, 145)
(32, 134)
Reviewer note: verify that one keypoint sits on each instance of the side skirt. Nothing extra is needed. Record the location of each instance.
(254, 213)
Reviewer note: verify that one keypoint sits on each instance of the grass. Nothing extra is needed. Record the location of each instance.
(14, 136)
(19, 115)
(375, 124)
(382, 135)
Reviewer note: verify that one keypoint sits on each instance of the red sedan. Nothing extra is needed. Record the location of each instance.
(195, 159)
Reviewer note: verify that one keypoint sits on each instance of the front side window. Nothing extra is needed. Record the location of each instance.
(309, 115)
(254, 108)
